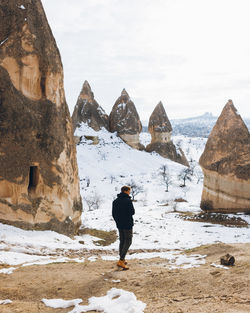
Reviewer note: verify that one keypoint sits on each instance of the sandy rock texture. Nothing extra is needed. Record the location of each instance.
(87, 110)
(125, 120)
(226, 164)
(160, 129)
(39, 185)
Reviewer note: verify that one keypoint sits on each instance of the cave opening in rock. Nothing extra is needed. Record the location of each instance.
(33, 178)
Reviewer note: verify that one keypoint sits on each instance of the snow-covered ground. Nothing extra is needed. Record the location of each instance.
(103, 169)
(111, 164)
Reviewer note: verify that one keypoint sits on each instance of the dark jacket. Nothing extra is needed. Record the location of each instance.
(123, 211)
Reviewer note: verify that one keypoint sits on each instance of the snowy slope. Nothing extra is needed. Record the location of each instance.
(112, 163)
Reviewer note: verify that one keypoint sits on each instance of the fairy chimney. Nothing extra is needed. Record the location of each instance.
(226, 164)
(39, 184)
(160, 129)
(125, 120)
(88, 111)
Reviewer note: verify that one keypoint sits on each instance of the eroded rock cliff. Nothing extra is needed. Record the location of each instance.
(226, 164)
(39, 185)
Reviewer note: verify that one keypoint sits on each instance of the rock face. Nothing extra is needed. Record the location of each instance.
(160, 129)
(39, 185)
(87, 110)
(226, 165)
(125, 120)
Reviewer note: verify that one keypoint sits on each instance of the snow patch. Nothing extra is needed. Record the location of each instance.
(219, 266)
(56, 260)
(19, 258)
(60, 303)
(9, 270)
(116, 301)
(122, 105)
(185, 261)
(93, 258)
(7, 301)
(2, 42)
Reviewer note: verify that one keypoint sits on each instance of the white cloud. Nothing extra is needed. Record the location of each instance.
(193, 55)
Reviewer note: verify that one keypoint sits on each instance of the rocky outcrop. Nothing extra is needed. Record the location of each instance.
(39, 185)
(226, 165)
(125, 120)
(88, 111)
(160, 129)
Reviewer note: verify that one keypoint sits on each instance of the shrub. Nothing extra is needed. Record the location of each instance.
(93, 201)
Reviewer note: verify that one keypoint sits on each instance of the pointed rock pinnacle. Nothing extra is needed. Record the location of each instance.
(228, 144)
(158, 121)
(124, 93)
(88, 111)
(124, 117)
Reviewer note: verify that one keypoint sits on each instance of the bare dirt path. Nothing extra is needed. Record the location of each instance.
(197, 290)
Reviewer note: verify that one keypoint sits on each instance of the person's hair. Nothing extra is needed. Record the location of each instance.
(125, 188)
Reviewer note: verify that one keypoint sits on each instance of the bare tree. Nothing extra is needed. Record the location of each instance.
(103, 156)
(112, 178)
(178, 143)
(163, 170)
(192, 166)
(164, 173)
(167, 181)
(135, 188)
(87, 179)
(187, 152)
(185, 175)
(93, 201)
(199, 175)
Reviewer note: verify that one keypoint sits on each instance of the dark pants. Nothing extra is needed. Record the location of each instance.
(125, 236)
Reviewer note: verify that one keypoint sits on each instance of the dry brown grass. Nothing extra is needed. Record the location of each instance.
(106, 237)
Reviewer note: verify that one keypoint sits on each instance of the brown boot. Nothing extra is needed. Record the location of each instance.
(122, 264)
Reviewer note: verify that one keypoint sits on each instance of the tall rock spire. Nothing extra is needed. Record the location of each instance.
(160, 129)
(39, 184)
(226, 164)
(159, 121)
(125, 120)
(125, 95)
(88, 111)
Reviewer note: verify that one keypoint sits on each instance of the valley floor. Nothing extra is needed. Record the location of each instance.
(197, 290)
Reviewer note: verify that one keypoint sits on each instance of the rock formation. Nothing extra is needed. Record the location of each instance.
(39, 185)
(226, 165)
(125, 120)
(160, 129)
(87, 110)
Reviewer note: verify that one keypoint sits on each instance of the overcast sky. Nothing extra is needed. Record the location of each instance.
(192, 55)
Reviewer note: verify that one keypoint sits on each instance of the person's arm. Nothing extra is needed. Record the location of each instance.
(113, 211)
(132, 208)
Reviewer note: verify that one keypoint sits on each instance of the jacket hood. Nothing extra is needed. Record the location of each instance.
(123, 195)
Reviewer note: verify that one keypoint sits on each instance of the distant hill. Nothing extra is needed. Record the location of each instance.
(199, 126)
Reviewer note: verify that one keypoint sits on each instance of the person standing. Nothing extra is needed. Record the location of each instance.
(122, 212)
